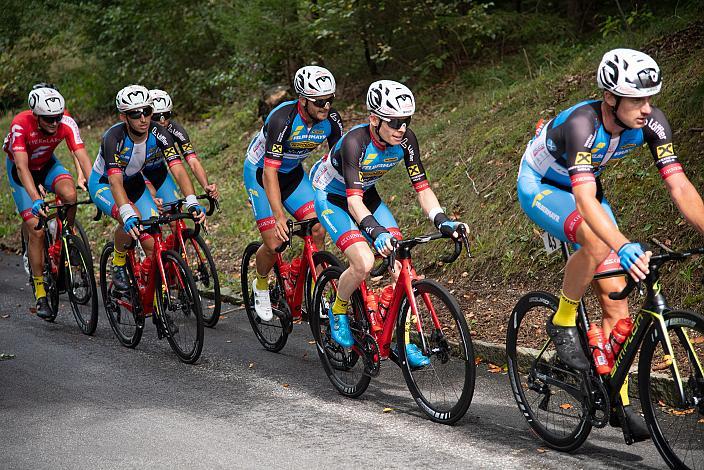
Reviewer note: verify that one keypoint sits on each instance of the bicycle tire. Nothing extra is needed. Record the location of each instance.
(205, 275)
(526, 328)
(82, 279)
(454, 363)
(324, 258)
(84, 239)
(344, 367)
(272, 334)
(119, 318)
(182, 313)
(677, 428)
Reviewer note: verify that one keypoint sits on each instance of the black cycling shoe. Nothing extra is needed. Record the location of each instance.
(119, 278)
(636, 423)
(566, 339)
(43, 310)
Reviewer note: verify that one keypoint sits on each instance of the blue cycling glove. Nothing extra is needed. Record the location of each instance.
(449, 227)
(629, 253)
(37, 206)
(132, 222)
(381, 239)
(196, 209)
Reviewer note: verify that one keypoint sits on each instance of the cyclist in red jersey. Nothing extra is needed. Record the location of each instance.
(30, 144)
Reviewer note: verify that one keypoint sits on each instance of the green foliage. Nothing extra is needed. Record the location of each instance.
(636, 18)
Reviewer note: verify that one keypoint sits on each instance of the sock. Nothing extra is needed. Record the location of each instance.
(119, 258)
(39, 291)
(625, 400)
(340, 306)
(567, 312)
(262, 282)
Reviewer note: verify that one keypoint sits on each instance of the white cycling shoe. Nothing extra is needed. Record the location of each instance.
(262, 303)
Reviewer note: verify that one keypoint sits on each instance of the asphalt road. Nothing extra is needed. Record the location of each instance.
(72, 401)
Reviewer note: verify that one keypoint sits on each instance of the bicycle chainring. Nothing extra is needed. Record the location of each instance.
(599, 404)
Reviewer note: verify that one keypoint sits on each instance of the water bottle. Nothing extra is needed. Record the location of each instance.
(373, 311)
(596, 344)
(385, 300)
(295, 269)
(621, 332)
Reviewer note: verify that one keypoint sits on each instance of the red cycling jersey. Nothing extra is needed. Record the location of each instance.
(26, 136)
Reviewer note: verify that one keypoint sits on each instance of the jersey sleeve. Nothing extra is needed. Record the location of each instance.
(351, 153)
(17, 138)
(166, 144)
(336, 128)
(414, 166)
(277, 131)
(658, 135)
(110, 148)
(182, 140)
(580, 133)
(73, 135)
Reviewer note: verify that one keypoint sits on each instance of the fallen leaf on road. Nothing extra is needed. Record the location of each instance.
(285, 385)
(297, 322)
(541, 450)
(251, 365)
(701, 421)
(565, 406)
(32, 310)
(477, 360)
(698, 340)
(494, 369)
(388, 410)
(228, 341)
(5, 357)
(661, 403)
(6, 316)
(311, 342)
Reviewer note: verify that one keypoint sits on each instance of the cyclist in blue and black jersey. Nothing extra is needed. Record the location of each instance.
(116, 183)
(273, 174)
(348, 204)
(560, 190)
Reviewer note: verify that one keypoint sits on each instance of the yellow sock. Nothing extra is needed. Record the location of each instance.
(624, 393)
(567, 312)
(39, 291)
(119, 258)
(262, 282)
(340, 306)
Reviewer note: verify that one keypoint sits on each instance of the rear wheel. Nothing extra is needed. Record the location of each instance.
(80, 285)
(539, 379)
(205, 274)
(178, 307)
(343, 366)
(271, 334)
(676, 425)
(119, 306)
(321, 259)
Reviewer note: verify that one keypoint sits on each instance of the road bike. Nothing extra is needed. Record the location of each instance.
(562, 405)
(420, 312)
(68, 268)
(162, 287)
(291, 287)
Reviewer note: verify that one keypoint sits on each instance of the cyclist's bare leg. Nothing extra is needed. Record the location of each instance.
(580, 267)
(614, 310)
(318, 237)
(35, 248)
(66, 190)
(361, 261)
(266, 254)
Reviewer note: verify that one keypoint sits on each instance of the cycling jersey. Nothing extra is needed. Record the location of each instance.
(183, 144)
(26, 136)
(119, 154)
(286, 138)
(359, 160)
(50, 174)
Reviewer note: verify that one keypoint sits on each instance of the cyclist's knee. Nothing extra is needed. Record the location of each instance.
(362, 263)
(592, 245)
(34, 235)
(318, 231)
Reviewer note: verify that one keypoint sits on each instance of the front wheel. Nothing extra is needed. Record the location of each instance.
(675, 421)
(443, 389)
(80, 285)
(178, 308)
(205, 275)
(321, 260)
(539, 379)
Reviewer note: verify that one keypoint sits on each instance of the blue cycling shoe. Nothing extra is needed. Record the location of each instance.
(340, 329)
(415, 356)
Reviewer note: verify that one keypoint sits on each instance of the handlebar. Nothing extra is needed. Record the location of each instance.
(61, 209)
(175, 206)
(165, 220)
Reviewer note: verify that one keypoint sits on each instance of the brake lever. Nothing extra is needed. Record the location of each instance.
(392, 256)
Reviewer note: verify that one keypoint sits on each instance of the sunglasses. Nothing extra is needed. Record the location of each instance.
(160, 116)
(322, 102)
(138, 113)
(52, 119)
(397, 123)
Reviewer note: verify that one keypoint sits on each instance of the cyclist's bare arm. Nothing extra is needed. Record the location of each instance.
(22, 164)
(270, 180)
(687, 199)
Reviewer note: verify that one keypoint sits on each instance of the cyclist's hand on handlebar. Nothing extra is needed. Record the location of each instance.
(198, 212)
(281, 229)
(449, 228)
(635, 260)
(81, 183)
(212, 191)
(383, 245)
(131, 226)
(159, 204)
(38, 208)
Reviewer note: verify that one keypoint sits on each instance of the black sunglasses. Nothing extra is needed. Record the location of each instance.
(160, 116)
(52, 119)
(397, 123)
(322, 102)
(138, 113)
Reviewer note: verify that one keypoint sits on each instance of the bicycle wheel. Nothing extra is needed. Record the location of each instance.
(80, 285)
(444, 388)
(271, 334)
(344, 367)
(676, 426)
(538, 377)
(84, 239)
(205, 274)
(178, 306)
(322, 259)
(119, 307)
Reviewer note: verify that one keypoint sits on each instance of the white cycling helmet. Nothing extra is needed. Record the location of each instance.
(312, 81)
(390, 99)
(161, 101)
(132, 97)
(629, 73)
(46, 102)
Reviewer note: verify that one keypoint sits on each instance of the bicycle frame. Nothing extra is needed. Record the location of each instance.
(294, 297)
(176, 236)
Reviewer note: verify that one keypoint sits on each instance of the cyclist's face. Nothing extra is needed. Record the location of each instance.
(386, 132)
(634, 112)
(317, 113)
(139, 125)
(49, 125)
